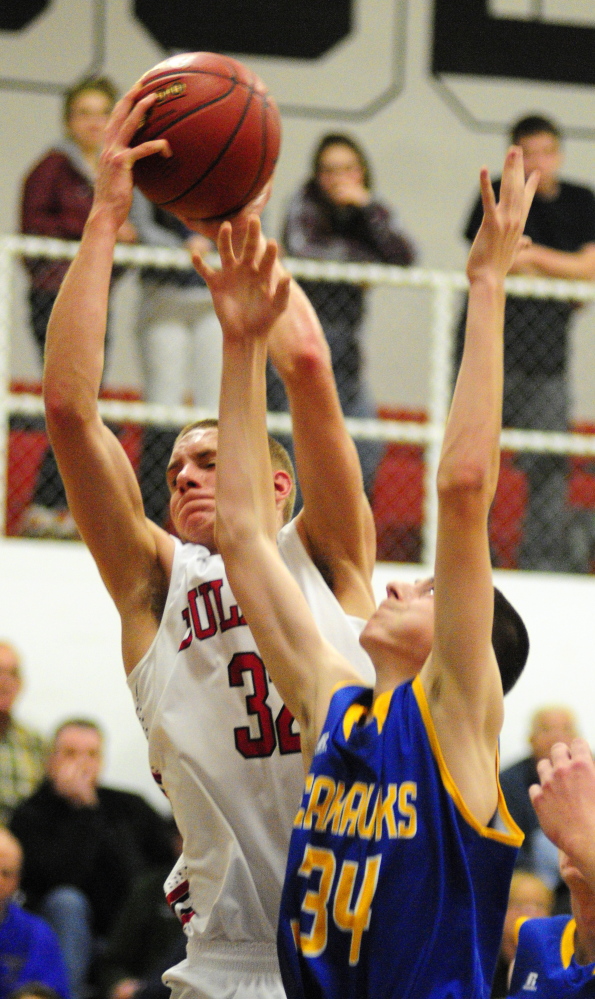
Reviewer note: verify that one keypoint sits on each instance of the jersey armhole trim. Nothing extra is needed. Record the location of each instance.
(514, 836)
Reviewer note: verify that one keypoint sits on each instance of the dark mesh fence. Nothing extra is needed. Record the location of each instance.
(543, 516)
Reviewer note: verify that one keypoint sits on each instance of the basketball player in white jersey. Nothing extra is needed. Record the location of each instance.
(221, 743)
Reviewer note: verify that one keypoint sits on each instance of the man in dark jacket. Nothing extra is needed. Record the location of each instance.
(83, 845)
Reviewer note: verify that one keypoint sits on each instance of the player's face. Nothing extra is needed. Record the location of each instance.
(191, 481)
(87, 120)
(339, 165)
(402, 627)
(542, 152)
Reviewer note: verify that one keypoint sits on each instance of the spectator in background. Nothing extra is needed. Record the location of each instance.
(335, 216)
(561, 225)
(29, 949)
(531, 898)
(180, 343)
(549, 725)
(84, 845)
(22, 751)
(56, 201)
(145, 935)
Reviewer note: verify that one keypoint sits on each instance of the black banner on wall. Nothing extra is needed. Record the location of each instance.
(15, 16)
(471, 41)
(300, 29)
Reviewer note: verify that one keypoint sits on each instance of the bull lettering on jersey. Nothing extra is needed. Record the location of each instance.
(366, 810)
(205, 614)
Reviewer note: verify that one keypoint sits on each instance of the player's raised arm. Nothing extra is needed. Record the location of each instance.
(249, 293)
(462, 679)
(336, 523)
(102, 490)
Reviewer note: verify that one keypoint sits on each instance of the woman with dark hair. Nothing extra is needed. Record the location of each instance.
(335, 216)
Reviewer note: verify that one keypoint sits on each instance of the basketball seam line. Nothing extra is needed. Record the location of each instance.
(218, 159)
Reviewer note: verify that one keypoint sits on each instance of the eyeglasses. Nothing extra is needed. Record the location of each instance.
(351, 168)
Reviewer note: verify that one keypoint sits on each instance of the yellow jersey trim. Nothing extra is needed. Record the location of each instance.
(514, 836)
(567, 943)
(355, 712)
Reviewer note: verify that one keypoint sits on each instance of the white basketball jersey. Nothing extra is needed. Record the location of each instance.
(223, 746)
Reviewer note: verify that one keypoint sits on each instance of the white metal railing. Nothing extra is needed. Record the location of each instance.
(441, 285)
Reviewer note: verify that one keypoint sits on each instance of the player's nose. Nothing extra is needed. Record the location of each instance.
(399, 590)
(188, 476)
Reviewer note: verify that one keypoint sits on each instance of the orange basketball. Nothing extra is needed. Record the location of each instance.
(224, 130)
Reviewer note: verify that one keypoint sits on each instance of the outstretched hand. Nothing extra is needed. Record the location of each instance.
(251, 290)
(500, 236)
(114, 183)
(565, 800)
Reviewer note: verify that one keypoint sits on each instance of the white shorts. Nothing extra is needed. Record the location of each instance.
(223, 970)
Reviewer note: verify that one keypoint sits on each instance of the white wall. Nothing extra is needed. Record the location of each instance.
(57, 612)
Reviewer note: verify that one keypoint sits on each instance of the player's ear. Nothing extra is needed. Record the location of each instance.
(283, 484)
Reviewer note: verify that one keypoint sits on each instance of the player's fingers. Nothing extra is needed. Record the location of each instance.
(529, 192)
(251, 240)
(282, 293)
(135, 118)
(120, 112)
(544, 769)
(201, 267)
(559, 753)
(488, 199)
(535, 794)
(225, 245)
(268, 259)
(150, 148)
(580, 749)
(511, 161)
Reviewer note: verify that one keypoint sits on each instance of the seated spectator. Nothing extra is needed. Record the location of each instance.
(146, 933)
(531, 898)
(549, 725)
(22, 751)
(29, 949)
(56, 201)
(335, 216)
(84, 845)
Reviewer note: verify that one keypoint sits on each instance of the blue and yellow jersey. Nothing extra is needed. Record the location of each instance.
(393, 890)
(545, 966)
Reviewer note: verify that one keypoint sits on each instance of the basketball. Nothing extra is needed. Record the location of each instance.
(224, 130)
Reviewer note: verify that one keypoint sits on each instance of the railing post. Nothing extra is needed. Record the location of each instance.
(440, 381)
(6, 259)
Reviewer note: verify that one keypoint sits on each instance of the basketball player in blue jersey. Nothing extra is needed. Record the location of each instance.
(402, 849)
(555, 957)
(221, 743)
